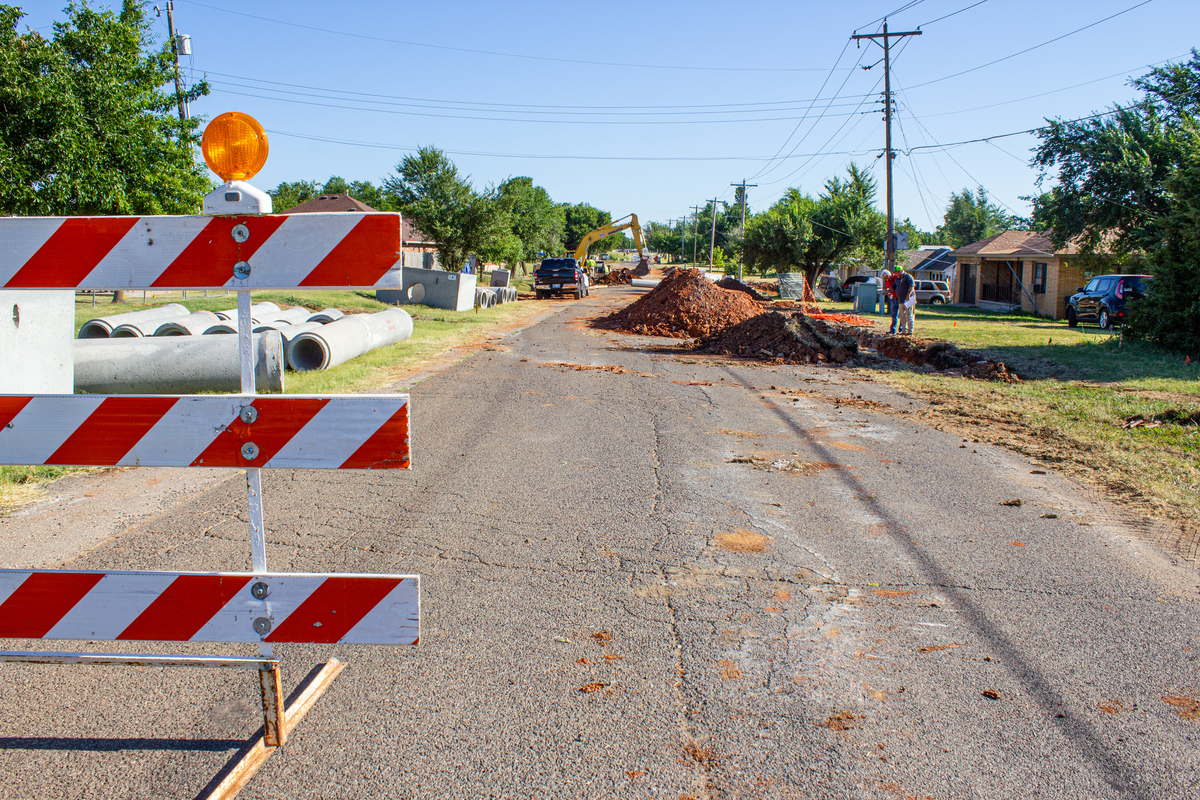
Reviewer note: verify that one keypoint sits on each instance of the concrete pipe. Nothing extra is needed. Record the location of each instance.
(289, 332)
(643, 284)
(229, 326)
(102, 327)
(175, 365)
(347, 338)
(292, 316)
(192, 325)
(264, 308)
(326, 315)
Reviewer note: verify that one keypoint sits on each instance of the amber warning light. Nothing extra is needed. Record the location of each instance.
(235, 147)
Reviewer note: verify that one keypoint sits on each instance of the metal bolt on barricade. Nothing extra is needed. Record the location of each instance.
(236, 244)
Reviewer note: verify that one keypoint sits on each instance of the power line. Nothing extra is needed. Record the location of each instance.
(514, 105)
(472, 51)
(1031, 49)
(509, 119)
(952, 13)
(448, 105)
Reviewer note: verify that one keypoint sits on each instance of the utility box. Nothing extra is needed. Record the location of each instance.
(499, 277)
(866, 296)
(37, 342)
(454, 291)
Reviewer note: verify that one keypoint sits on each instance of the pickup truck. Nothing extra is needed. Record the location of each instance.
(558, 276)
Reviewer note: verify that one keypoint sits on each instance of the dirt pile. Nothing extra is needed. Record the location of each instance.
(942, 356)
(735, 285)
(684, 305)
(791, 339)
(619, 277)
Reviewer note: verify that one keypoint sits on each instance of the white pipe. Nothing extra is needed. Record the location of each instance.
(326, 315)
(229, 326)
(347, 338)
(192, 325)
(102, 327)
(644, 284)
(292, 316)
(265, 307)
(175, 365)
(289, 332)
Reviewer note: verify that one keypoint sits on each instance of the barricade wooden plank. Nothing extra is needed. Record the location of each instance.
(275, 432)
(297, 608)
(282, 251)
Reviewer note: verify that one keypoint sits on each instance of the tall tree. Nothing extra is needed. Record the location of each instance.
(971, 216)
(1110, 172)
(442, 203)
(1170, 313)
(536, 223)
(289, 194)
(581, 219)
(88, 121)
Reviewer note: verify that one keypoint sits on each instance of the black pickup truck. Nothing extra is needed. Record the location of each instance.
(558, 276)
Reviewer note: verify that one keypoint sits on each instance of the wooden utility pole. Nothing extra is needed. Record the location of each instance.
(712, 246)
(695, 231)
(183, 114)
(890, 251)
(742, 252)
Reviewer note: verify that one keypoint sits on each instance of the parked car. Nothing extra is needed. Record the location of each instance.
(853, 279)
(829, 286)
(936, 292)
(1103, 299)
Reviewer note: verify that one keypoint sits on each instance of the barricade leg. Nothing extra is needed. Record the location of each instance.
(274, 724)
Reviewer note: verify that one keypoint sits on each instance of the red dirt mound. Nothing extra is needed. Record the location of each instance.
(737, 286)
(942, 356)
(792, 339)
(620, 277)
(684, 305)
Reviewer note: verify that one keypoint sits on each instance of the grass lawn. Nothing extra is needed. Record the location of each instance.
(1079, 387)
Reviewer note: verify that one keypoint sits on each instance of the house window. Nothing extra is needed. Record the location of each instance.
(1039, 278)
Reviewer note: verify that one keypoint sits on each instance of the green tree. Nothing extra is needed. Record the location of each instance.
(1170, 313)
(288, 195)
(580, 220)
(88, 119)
(443, 204)
(663, 238)
(814, 234)
(536, 222)
(971, 216)
(1111, 171)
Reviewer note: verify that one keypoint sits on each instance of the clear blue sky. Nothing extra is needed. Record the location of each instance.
(653, 107)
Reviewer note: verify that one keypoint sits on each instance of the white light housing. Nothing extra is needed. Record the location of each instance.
(236, 198)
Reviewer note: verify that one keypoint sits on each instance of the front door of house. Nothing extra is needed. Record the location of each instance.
(967, 295)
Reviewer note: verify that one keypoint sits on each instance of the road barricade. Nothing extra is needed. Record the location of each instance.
(243, 431)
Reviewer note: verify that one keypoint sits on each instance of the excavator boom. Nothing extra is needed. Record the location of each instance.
(620, 225)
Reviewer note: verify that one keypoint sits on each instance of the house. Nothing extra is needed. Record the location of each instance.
(930, 263)
(415, 251)
(1016, 270)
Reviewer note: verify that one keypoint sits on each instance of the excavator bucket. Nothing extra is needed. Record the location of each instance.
(643, 268)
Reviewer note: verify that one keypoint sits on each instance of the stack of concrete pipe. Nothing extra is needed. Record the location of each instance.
(488, 296)
(103, 327)
(168, 349)
(347, 338)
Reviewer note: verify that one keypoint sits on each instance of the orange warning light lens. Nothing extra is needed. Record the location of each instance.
(234, 146)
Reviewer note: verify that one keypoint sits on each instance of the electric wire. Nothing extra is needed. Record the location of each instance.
(500, 54)
(951, 14)
(1031, 49)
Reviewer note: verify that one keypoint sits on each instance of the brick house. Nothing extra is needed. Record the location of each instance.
(1016, 270)
(930, 263)
(415, 251)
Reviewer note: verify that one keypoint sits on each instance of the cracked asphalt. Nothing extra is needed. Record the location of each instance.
(646, 574)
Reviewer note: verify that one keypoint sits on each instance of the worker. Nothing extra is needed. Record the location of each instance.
(906, 297)
(889, 296)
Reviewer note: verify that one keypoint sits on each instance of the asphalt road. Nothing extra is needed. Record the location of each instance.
(665, 577)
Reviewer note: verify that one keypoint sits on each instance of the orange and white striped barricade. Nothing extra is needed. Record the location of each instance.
(243, 431)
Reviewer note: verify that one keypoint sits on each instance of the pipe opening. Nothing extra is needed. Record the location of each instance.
(307, 353)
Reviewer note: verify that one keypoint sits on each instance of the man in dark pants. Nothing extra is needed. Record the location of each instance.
(889, 294)
(904, 287)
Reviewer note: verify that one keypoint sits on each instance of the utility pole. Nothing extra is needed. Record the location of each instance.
(183, 112)
(890, 251)
(682, 239)
(713, 244)
(695, 231)
(741, 253)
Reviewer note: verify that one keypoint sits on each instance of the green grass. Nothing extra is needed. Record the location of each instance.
(1078, 387)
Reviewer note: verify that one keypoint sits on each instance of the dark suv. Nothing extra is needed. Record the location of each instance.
(1103, 300)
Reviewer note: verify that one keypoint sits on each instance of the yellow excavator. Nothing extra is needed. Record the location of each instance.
(643, 266)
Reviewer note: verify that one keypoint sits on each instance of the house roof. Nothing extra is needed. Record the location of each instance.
(330, 202)
(1015, 243)
(939, 259)
(326, 203)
